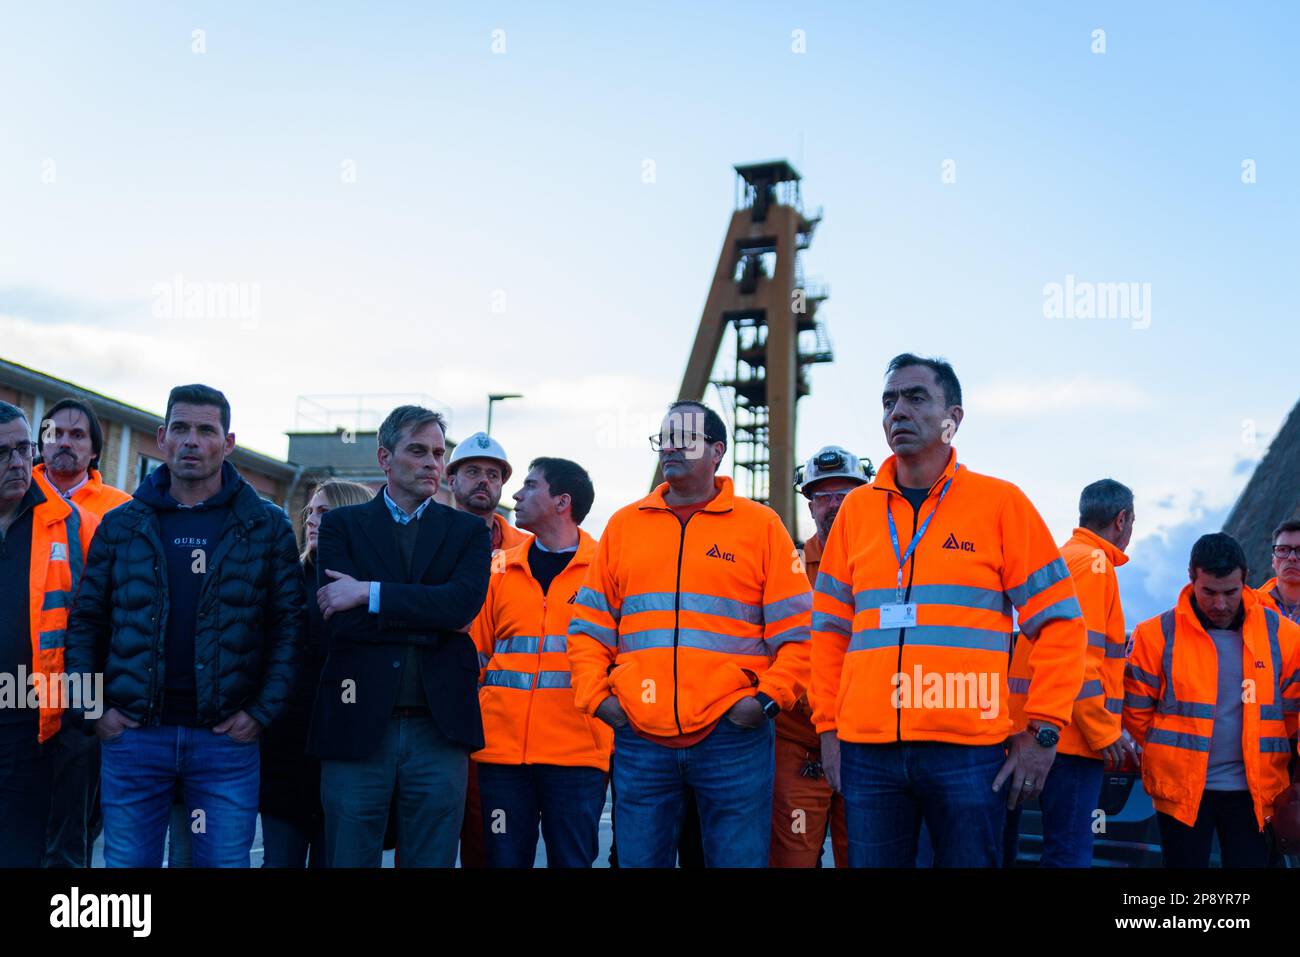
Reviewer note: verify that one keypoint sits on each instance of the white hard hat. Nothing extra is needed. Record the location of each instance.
(831, 461)
(480, 445)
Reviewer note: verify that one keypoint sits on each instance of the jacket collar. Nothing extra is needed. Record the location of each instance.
(48, 506)
(518, 556)
(90, 485)
(1252, 622)
(1091, 539)
(812, 549)
(245, 504)
(432, 526)
(887, 478)
(722, 502)
(400, 515)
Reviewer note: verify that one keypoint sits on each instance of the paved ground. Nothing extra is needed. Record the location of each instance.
(602, 860)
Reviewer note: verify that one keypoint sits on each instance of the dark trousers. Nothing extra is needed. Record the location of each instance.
(889, 789)
(567, 802)
(24, 795)
(287, 843)
(1230, 814)
(419, 766)
(1068, 804)
(180, 849)
(74, 798)
(471, 830)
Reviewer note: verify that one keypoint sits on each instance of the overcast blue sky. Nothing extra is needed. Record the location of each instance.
(383, 179)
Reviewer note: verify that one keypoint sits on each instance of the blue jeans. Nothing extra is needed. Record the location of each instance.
(1069, 798)
(889, 789)
(731, 773)
(424, 770)
(567, 800)
(218, 777)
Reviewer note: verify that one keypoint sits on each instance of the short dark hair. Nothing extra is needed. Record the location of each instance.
(406, 417)
(92, 423)
(198, 394)
(1102, 501)
(567, 478)
(941, 369)
(715, 430)
(9, 412)
(1290, 525)
(1217, 554)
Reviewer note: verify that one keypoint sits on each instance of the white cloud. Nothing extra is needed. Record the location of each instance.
(1082, 393)
(124, 365)
(1157, 568)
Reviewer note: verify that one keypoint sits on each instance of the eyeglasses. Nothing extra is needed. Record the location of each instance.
(25, 451)
(677, 440)
(1279, 551)
(831, 498)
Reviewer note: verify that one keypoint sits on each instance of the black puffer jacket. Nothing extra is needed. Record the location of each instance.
(249, 630)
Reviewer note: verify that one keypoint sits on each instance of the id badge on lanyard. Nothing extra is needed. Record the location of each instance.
(898, 615)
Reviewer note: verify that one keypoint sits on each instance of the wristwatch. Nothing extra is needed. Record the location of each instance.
(1045, 735)
(770, 708)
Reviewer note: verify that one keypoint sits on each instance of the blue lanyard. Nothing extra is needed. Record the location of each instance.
(1293, 614)
(920, 532)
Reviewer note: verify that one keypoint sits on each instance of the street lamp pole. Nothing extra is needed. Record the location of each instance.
(495, 398)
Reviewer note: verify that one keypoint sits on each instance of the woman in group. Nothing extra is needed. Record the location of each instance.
(292, 820)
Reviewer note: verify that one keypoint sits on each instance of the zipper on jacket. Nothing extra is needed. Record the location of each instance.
(537, 676)
(677, 616)
(907, 595)
(160, 629)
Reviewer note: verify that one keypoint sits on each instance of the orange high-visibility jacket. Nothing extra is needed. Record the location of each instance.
(1091, 561)
(1269, 594)
(522, 636)
(94, 496)
(811, 553)
(61, 534)
(944, 679)
(1171, 691)
(682, 621)
(511, 537)
(796, 723)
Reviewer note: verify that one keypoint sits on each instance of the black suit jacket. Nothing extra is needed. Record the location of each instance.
(445, 590)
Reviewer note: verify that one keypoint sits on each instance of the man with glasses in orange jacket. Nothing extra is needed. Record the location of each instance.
(44, 540)
(1282, 591)
(1212, 697)
(544, 760)
(911, 637)
(689, 636)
